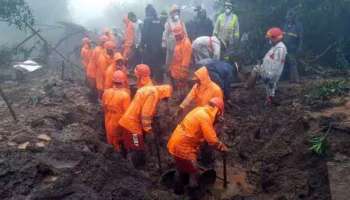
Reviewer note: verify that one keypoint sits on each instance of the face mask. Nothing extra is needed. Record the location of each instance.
(176, 17)
(110, 52)
(227, 10)
(179, 38)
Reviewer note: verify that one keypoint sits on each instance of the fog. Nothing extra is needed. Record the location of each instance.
(92, 14)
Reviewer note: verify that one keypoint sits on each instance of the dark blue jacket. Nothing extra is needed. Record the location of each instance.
(222, 73)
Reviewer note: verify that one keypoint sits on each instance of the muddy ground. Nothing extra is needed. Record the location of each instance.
(57, 149)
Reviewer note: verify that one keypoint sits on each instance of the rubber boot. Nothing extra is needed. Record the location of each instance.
(181, 180)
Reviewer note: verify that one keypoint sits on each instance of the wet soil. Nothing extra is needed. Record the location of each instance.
(57, 149)
(269, 158)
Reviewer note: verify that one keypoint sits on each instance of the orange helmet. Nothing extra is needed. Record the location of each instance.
(217, 102)
(119, 77)
(86, 40)
(274, 34)
(103, 38)
(142, 70)
(109, 45)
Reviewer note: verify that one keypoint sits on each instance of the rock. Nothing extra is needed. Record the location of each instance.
(44, 137)
(347, 105)
(339, 179)
(40, 144)
(23, 146)
(12, 144)
(21, 137)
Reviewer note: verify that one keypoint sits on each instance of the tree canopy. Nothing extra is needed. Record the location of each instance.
(16, 12)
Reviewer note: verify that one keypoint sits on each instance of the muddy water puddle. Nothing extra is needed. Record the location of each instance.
(237, 183)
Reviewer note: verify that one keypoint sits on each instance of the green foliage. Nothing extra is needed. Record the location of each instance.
(324, 22)
(329, 89)
(319, 145)
(16, 12)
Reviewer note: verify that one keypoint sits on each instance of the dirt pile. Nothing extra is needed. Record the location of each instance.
(271, 144)
(57, 151)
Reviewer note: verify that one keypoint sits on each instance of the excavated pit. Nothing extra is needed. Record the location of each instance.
(269, 160)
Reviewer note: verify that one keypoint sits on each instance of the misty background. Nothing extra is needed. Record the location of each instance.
(92, 14)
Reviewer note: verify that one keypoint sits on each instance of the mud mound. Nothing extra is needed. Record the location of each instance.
(57, 150)
(272, 145)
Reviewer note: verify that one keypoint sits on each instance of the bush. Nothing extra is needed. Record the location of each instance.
(328, 89)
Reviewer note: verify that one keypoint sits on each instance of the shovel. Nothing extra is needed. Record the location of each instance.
(210, 172)
(224, 155)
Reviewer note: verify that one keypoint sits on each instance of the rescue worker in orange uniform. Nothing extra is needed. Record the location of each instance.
(117, 64)
(92, 67)
(168, 39)
(181, 60)
(195, 129)
(107, 32)
(129, 35)
(115, 102)
(137, 120)
(85, 53)
(104, 60)
(203, 90)
(143, 75)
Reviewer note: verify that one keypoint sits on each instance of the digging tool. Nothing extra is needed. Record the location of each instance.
(157, 143)
(13, 114)
(218, 177)
(224, 155)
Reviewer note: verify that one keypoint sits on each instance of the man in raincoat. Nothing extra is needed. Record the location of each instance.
(129, 35)
(104, 60)
(151, 43)
(143, 75)
(181, 60)
(118, 64)
(226, 28)
(108, 32)
(169, 41)
(203, 90)
(200, 26)
(115, 102)
(85, 54)
(206, 47)
(271, 69)
(221, 72)
(195, 129)
(92, 66)
(137, 120)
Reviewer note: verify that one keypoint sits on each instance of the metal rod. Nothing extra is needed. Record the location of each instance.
(26, 40)
(53, 48)
(13, 114)
(62, 70)
(218, 177)
(225, 169)
(157, 143)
